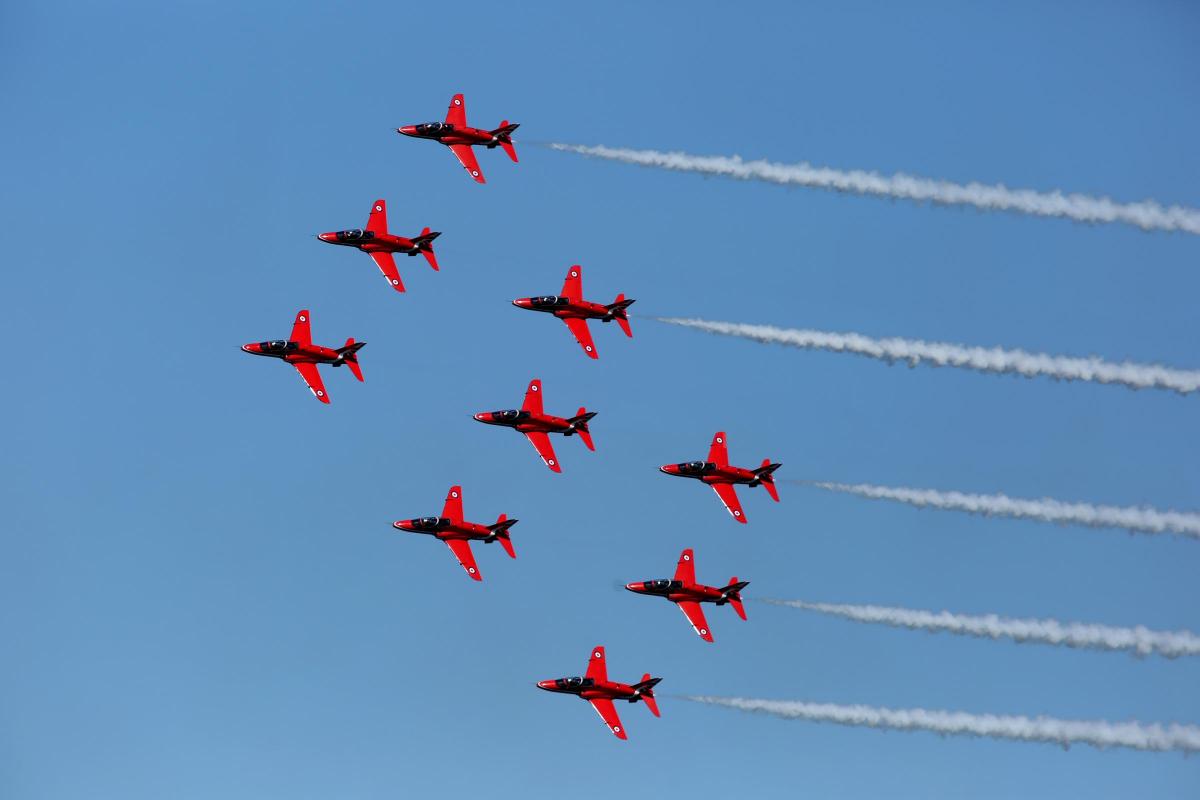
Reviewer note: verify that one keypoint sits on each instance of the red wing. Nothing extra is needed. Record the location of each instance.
(604, 707)
(695, 615)
(583, 335)
(718, 453)
(313, 378)
(541, 443)
(387, 265)
(596, 665)
(453, 508)
(729, 497)
(302, 328)
(457, 113)
(377, 222)
(466, 157)
(573, 285)
(533, 397)
(462, 551)
(685, 570)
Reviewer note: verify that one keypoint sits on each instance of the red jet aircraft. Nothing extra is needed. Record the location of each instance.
(718, 474)
(537, 425)
(457, 533)
(301, 353)
(380, 245)
(598, 690)
(460, 138)
(688, 595)
(572, 309)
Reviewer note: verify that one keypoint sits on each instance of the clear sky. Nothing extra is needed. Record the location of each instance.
(201, 592)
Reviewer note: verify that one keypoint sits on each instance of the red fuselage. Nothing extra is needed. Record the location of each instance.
(565, 307)
(710, 473)
(679, 591)
(527, 421)
(446, 529)
(591, 689)
(449, 134)
(296, 353)
(371, 242)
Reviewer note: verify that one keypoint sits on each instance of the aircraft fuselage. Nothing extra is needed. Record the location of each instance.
(710, 473)
(527, 421)
(296, 353)
(679, 591)
(444, 528)
(591, 689)
(565, 307)
(371, 241)
(449, 134)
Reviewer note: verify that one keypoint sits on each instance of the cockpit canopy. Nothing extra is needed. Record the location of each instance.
(575, 682)
(662, 585)
(434, 127)
(278, 346)
(696, 467)
(510, 415)
(550, 300)
(429, 523)
(355, 235)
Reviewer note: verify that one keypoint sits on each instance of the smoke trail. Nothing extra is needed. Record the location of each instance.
(1138, 640)
(1140, 519)
(1064, 732)
(940, 354)
(1147, 215)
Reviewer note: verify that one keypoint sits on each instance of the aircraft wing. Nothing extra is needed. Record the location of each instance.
(729, 497)
(685, 570)
(604, 707)
(573, 285)
(313, 378)
(533, 397)
(695, 615)
(453, 508)
(377, 222)
(302, 328)
(462, 551)
(387, 265)
(466, 157)
(597, 669)
(718, 453)
(583, 335)
(457, 113)
(541, 443)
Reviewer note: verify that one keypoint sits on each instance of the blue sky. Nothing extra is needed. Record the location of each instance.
(201, 591)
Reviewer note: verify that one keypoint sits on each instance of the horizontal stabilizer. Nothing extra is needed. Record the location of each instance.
(500, 531)
(503, 135)
(616, 310)
(645, 693)
(349, 356)
(579, 424)
(424, 244)
(765, 476)
(733, 594)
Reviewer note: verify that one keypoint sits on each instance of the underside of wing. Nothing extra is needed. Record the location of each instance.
(541, 443)
(729, 497)
(377, 221)
(718, 452)
(462, 551)
(453, 510)
(583, 335)
(573, 285)
(597, 668)
(533, 397)
(685, 570)
(695, 615)
(312, 377)
(457, 113)
(466, 157)
(387, 265)
(302, 328)
(604, 707)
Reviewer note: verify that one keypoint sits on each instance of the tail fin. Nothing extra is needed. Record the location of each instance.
(349, 356)
(645, 692)
(503, 135)
(579, 424)
(733, 593)
(765, 477)
(616, 310)
(424, 244)
(500, 531)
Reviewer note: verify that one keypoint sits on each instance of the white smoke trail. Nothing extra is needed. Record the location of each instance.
(1147, 215)
(1064, 732)
(1138, 640)
(940, 354)
(1140, 519)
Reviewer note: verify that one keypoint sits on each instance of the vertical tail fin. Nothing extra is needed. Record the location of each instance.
(645, 689)
(504, 134)
(734, 593)
(579, 423)
(349, 354)
(501, 531)
(617, 311)
(425, 243)
(767, 478)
